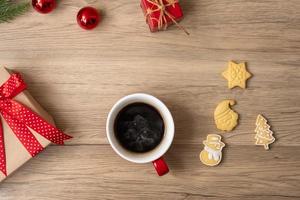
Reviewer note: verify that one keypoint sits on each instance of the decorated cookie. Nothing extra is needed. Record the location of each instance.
(225, 118)
(236, 74)
(264, 136)
(211, 155)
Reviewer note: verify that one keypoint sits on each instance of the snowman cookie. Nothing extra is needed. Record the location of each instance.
(211, 155)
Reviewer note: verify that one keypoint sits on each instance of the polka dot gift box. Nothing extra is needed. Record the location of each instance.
(25, 127)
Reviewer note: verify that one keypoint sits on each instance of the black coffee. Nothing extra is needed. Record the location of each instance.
(139, 127)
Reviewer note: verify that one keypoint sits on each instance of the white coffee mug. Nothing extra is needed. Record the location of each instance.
(155, 155)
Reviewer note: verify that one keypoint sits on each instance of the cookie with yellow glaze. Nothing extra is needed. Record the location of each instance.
(211, 155)
(225, 118)
(236, 74)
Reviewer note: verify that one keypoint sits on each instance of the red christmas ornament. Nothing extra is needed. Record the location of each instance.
(88, 18)
(44, 6)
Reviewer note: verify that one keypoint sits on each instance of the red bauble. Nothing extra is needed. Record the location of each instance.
(44, 6)
(88, 18)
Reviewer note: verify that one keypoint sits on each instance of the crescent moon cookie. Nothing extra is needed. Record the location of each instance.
(211, 155)
(236, 74)
(225, 118)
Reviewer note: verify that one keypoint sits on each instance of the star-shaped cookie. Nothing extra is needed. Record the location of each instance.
(236, 74)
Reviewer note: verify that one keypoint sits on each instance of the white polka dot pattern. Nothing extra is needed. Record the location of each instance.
(12, 87)
(23, 134)
(2, 152)
(27, 117)
(19, 118)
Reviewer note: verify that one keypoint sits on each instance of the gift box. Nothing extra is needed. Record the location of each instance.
(161, 13)
(25, 127)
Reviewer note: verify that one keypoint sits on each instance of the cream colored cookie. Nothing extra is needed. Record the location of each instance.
(211, 155)
(264, 136)
(225, 118)
(236, 74)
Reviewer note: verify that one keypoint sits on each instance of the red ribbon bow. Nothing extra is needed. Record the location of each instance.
(20, 118)
(161, 7)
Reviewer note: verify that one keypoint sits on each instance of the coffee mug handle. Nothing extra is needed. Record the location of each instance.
(160, 166)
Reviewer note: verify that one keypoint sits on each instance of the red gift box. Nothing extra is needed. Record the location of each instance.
(161, 13)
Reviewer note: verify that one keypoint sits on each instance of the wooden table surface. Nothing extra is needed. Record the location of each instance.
(78, 75)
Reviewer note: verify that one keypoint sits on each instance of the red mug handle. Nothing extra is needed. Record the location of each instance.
(160, 166)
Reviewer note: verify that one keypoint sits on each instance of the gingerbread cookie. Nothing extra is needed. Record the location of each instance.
(211, 155)
(236, 74)
(264, 136)
(225, 118)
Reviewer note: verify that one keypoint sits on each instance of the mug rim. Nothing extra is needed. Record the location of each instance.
(164, 144)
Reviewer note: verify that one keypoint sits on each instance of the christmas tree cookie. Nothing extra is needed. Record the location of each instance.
(264, 136)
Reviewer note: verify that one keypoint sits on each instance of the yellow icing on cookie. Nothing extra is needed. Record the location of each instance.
(264, 136)
(211, 155)
(225, 118)
(236, 74)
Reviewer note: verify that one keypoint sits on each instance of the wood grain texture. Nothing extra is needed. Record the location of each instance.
(78, 75)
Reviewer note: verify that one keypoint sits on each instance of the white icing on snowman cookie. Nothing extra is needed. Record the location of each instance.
(211, 155)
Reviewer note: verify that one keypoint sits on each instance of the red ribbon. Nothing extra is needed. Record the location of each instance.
(161, 7)
(20, 118)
